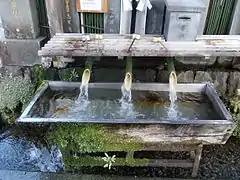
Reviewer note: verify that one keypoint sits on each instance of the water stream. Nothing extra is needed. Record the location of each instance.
(173, 113)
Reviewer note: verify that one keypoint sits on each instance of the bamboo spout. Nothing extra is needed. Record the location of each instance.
(87, 73)
(128, 81)
(86, 76)
(128, 74)
(172, 73)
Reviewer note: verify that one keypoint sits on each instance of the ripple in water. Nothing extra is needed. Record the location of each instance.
(83, 92)
(97, 109)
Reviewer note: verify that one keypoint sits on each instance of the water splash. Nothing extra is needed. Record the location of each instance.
(83, 93)
(172, 110)
(126, 95)
(84, 85)
(126, 106)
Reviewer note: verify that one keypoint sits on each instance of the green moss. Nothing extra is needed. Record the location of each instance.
(40, 74)
(75, 138)
(15, 94)
(234, 107)
(89, 138)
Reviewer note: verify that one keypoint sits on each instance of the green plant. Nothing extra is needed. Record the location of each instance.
(70, 76)
(234, 108)
(15, 94)
(109, 160)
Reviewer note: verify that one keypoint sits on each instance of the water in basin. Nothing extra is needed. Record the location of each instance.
(106, 104)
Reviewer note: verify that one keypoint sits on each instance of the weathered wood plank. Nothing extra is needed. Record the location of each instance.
(118, 45)
(197, 161)
(97, 161)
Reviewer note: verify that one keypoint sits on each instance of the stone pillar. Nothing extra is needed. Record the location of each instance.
(19, 32)
(19, 19)
(62, 16)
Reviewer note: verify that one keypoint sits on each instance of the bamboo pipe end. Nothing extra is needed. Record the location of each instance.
(173, 78)
(86, 76)
(128, 81)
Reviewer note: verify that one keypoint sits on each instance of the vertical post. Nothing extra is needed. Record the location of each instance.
(203, 17)
(55, 15)
(155, 17)
(141, 16)
(125, 20)
(197, 160)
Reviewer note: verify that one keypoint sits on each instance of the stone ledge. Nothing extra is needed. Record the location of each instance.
(20, 52)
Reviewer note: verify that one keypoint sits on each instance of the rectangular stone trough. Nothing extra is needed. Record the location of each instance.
(201, 115)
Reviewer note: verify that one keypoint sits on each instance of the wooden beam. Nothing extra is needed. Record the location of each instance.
(117, 45)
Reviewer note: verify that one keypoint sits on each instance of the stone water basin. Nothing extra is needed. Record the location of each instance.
(200, 116)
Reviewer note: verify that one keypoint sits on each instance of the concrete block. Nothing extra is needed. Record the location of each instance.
(19, 19)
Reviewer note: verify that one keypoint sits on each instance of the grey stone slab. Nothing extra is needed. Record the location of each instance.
(155, 17)
(219, 79)
(236, 63)
(185, 77)
(196, 60)
(148, 75)
(71, 21)
(112, 18)
(21, 52)
(224, 61)
(19, 19)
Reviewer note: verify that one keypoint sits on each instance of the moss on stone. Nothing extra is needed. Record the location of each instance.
(89, 138)
(40, 74)
(234, 107)
(77, 138)
(15, 94)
